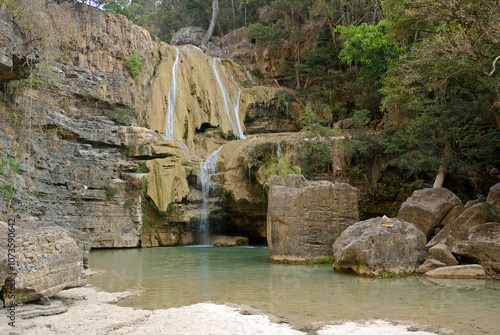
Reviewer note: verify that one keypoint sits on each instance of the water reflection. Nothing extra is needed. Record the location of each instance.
(302, 293)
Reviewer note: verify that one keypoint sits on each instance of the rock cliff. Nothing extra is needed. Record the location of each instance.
(103, 99)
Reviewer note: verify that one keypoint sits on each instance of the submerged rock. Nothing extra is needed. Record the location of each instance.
(430, 264)
(230, 241)
(48, 261)
(305, 217)
(372, 247)
(458, 271)
(430, 208)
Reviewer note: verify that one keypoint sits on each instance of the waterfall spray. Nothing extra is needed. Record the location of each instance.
(208, 168)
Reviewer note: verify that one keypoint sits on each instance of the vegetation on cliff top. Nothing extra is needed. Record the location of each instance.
(423, 73)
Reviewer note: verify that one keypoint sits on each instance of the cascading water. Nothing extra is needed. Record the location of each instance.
(208, 168)
(172, 95)
(237, 107)
(249, 76)
(235, 124)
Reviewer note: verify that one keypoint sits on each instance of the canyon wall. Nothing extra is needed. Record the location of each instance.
(104, 129)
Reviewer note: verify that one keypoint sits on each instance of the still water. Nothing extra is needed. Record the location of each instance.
(179, 276)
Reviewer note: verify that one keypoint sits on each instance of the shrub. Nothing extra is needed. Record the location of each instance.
(134, 63)
(110, 191)
(314, 157)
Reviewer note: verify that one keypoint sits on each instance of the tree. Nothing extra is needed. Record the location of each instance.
(211, 27)
(368, 46)
(453, 40)
(441, 97)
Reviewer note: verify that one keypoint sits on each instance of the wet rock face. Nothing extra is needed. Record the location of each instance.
(373, 246)
(48, 261)
(430, 208)
(305, 217)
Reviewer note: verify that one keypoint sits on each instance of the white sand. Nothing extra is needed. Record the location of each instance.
(90, 311)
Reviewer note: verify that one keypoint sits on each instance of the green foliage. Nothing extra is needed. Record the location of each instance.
(387, 274)
(314, 157)
(323, 260)
(259, 154)
(7, 191)
(122, 116)
(110, 190)
(368, 46)
(142, 168)
(10, 165)
(282, 167)
(264, 35)
(119, 7)
(134, 63)
(127, 204)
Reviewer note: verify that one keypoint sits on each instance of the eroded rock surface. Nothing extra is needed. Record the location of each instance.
(305, 217)
(427, 208)
(372, 247)
(482, 245)
(457, 230)
(48, 261)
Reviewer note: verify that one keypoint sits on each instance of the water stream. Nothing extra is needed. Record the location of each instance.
(208, 168)
(235, 123)
(172, 96)
(179, 276)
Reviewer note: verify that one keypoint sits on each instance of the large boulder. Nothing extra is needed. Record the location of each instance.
(305, 217)
(380, 245)
(493, 197)
(457, 230)
(188, 35)
(441, 252)
(430, 208)
(47, 261)
(482, 245)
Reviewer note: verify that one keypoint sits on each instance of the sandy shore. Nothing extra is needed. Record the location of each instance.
(88, 310)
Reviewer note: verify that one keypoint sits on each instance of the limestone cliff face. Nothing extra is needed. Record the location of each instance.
(91, 123)
(67, 113)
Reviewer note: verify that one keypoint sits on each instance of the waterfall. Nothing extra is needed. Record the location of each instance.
(250, 77)
(278, 151)
(208, 168)
(235, 124)
(237, 107)
(172, 95)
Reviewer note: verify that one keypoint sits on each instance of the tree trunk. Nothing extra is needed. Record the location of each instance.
(215, 11)
(438, 182)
